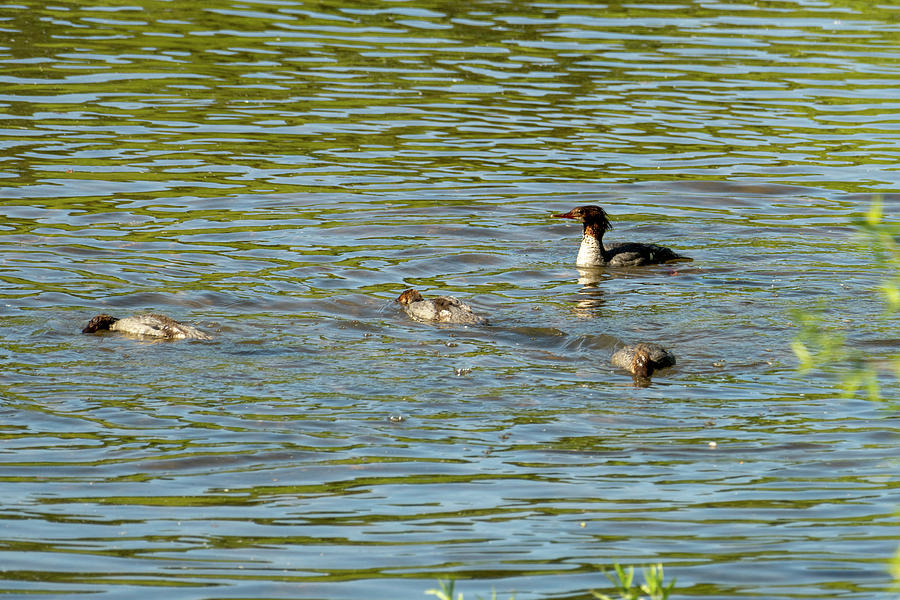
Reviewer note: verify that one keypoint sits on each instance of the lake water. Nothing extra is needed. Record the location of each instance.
(277, 172)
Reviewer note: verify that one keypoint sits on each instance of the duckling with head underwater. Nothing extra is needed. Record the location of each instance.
(642, 360)
(147, 325)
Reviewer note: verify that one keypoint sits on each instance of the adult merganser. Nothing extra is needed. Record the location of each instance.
(642, 359)
(443, 309)
(593, 253)
(159, 326)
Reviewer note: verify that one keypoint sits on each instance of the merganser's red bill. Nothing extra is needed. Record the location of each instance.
(567, 215)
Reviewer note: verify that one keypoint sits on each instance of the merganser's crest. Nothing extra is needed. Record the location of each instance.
(594, 253)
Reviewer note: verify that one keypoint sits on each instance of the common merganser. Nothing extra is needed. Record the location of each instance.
(159, 326)
(642, 359)
(593, 253)
(443, 309)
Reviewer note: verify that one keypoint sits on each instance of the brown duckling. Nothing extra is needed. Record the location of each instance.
(443, 309)
(643, 359)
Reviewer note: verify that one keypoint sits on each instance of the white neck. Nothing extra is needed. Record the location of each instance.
(590, 254)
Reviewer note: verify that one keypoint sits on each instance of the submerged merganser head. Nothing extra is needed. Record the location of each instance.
(594, 253)
(99, 323)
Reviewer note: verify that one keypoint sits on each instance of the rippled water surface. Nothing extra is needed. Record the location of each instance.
(276, 173)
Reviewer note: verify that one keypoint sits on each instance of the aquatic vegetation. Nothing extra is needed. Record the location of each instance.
(653, 587)
(447, 589)
(822, 346)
